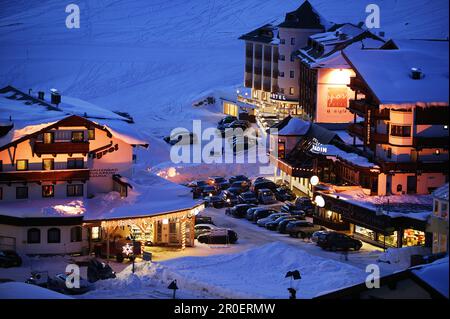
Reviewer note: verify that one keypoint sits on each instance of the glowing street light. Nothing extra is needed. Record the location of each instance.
(320, 201)
(314, 180)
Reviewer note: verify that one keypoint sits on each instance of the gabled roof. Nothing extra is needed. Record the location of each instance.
(305, 17)
(441, 193)
(265, 34)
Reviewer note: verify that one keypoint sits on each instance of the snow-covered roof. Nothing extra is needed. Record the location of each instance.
(296, 127)
(44, 208)
(387, 72)
(29, 115)
(435, 275)
(441, 193)
(305, 17)
(358, 160)
(265, 34)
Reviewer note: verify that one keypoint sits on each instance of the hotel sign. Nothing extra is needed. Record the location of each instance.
(337, 97)
(278, 96)
(317, 147)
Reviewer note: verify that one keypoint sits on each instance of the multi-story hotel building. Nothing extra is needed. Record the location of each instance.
(66, 173)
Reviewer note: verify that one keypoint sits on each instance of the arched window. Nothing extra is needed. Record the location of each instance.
(34, 236)
(75, 234)
(54, 236)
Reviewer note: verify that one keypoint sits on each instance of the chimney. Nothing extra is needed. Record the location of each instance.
(55, 97)
(416, 74)
(41, 95)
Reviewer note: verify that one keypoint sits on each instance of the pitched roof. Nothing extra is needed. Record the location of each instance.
(305, 17)
(441, 193)
(265, 34)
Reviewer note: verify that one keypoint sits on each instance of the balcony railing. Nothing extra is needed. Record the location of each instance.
(291, 170)
(439, 167)
(356, 129)
(45, 176)
(358, 106)
(61, 148)
(430, 141)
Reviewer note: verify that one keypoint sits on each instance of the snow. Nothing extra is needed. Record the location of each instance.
(402, 256)
(392, 83)
(435, 274)
(53, 207)
(295, 126)
(20, 290)
(334, 151)
(441, 193)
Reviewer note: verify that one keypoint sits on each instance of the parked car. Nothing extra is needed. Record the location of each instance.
(57, 283)
(282, 225)
(301, 229)
(209, 190)
(219, 236)
(250, 213)
(239, 210)
(230, 199)
(248, 198)
(242, 143)
(239, 178)
(200, 219)
(283, 194)
(226, 120)
(201, 229)
(262, 212)
(9, 258)
(182, 138)
(290, 208)
(263, 184)
(197, 188)
(97, 270)
(266, 196)
(214, 201)
(337, 241)
(318, 234)
(273, 225)
(263, 221)
(305, 204)
(218, 182)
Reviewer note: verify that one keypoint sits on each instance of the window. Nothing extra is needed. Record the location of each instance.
(21, 165)
(282, 41)
(292, 41)
(75, 190)
(291, 91)
(91, 134)
(48, 164)
(48, 137)
(75, 163)
(389, 153)
(34, 236)
(22, 192)
(292, 74)
(96, 233)
(282, 58)
(78, 136)
(401, 131)
(54, 236)
(48, 190)
(76, 234)
(281, 74)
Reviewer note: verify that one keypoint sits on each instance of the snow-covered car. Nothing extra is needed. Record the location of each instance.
(337, 241)
(318, 234)
(218, 182)
(200, 219)
(266, 196)
(281, 227)
(301, 229)
(242, 143)
(239, 178)
(305, 204)
(273, 225)
(248, 198)
(218, 236)
(290, 208)
(226, 120)
(209, 190)
(240, 210)
(214, 201)
(283, 194)
(10, 258)
(203, 229)
(97, 270)
(230, 199)
(263, 221)
(262, 212)
(58, 283)
(182, 138)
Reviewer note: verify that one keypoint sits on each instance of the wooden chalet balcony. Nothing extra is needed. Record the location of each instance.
(357, 84)
(430, 141)
(438, 167)
(356, 129)
(61, 148)
(358, 106)
(45, 176)
(291, 170)
(379, 138)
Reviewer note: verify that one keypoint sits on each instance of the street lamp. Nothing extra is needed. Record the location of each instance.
(320, 201)
(294, 275)
(314, 180)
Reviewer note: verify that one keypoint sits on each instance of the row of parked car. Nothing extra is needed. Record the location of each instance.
(291, 220)
(207, 232)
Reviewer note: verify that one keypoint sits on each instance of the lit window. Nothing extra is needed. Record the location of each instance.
(21, 165)
(401, 130)
(77, 136)
(48, 191)
(48, 164)
(437, 152)
(48, 138)
(291, 91)
(91, 134)
(95, 233)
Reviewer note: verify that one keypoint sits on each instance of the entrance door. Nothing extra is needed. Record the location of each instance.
(174, 230)
(411, 184)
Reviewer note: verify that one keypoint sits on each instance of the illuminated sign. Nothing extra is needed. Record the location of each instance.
(317, 147)
(337, 97)
(278, 96)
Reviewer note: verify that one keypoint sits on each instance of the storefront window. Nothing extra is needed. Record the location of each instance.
(389, 240)
(365, 232)
(413, 237)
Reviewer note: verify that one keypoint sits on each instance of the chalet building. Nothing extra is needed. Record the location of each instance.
(324, 74)
(377, 187)
(66, 170)
(271, 71)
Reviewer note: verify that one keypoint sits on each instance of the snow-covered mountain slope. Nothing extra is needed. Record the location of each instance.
(153, 58)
